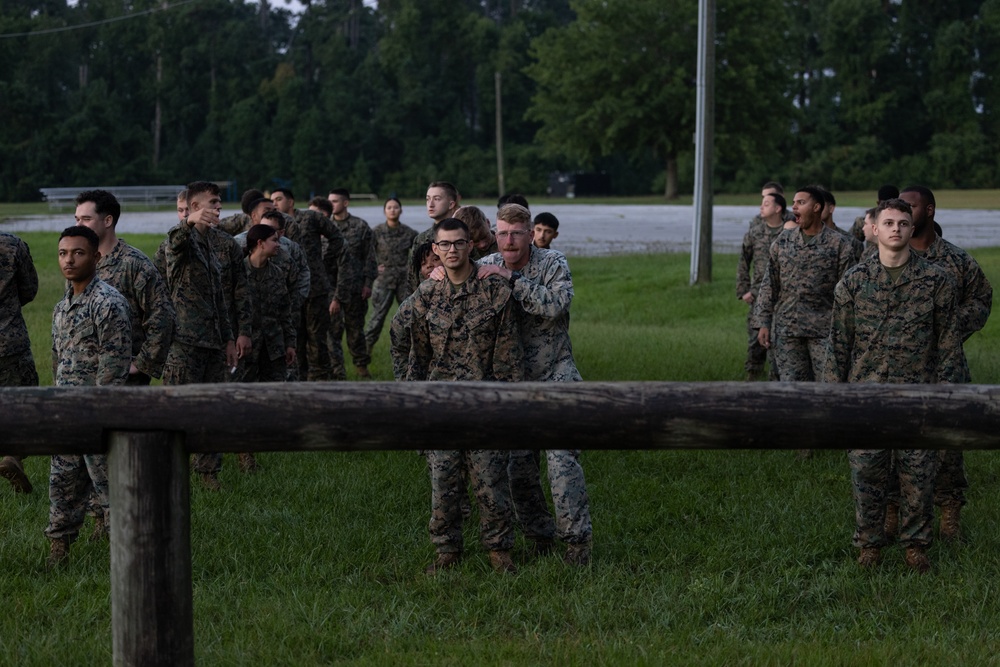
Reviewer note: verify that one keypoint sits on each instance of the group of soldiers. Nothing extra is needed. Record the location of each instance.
(265, 295)
(889, 301)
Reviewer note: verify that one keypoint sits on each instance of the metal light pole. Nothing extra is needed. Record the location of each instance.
(701, 237)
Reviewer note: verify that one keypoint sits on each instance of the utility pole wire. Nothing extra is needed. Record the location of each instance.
(49, 31)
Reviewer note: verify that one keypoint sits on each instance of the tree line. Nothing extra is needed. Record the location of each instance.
(385, 97)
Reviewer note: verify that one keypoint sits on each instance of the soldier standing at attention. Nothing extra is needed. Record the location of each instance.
(764, 228)
(442, 202)
(354, 287)
(274, 333)
(204, 348)
(391, 244)
(91, 345)
(473, 338)
(18, 288)
(894, 321)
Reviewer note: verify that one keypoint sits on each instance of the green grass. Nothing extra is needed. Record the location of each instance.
(700, 557)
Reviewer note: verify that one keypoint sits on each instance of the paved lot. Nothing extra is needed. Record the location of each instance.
(594, 229)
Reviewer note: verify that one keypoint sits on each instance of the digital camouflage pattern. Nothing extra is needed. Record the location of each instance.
(272, 323)
(129, 271)
(391, 246)
(235, 224)
(239, 305)
(293, 264)
(749, 274)
(18, 287)
(894, 332)
(358, 271)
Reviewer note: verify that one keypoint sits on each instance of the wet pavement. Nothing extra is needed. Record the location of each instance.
(591, 229)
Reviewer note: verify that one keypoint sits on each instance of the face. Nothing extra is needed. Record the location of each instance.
(452, 247)
(482, 237)
(257, 215)
(769, 208)
(273, 224)
(392, 210)
(893, 229)
(339, 204)
(923, 214)
(206, 200)
(544, 236)
(318, 210)
(182, 209)
(767, 191)
(77, 260)
(869, 229)
(806, 210)
(439, 204)
(431, 262)
(86, 215)
(283, 203)
(269, 246)
(828, 212)
(515, 242)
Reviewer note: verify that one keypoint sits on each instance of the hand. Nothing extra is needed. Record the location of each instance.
(243, 347)
(381, 269)
(748, 298)
(437, 274)
(764, 338)
(334, 307)
(203, 216)
(231, 359)
(491, 269)
(366, 292)
(132, 370)
(289, 356)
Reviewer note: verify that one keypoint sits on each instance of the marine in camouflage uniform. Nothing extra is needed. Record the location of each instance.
(318, 237)
(18, 287)
(91, 345)
(391, 246)
(354, 279)
(749, 274)
(465, 332)
(543, 291)
(273, 330)
(894, 326)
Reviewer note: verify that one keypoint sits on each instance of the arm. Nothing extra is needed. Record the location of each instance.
(27, 276)
(840, 344)
(114, 333)
(508, 353)
(951, 364)
(976, 300)
(400, 339)
(368, 263)
(157, 319)
(743, 269)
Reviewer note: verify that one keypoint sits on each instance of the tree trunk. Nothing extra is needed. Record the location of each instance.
(670, 185)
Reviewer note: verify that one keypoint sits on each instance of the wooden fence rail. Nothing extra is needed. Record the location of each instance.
(148, 433)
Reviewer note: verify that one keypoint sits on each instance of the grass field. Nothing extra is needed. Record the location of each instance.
(700, 557)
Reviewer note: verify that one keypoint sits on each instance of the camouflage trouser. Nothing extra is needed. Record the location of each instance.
(350, 319)
(870, 473)
(187, 364)
(487, 470)
(259, 367)
(70, 480)
(569, 496)
(799, 359)
(381, 303)
(756, 353)
(951, 482)
(313, 350)
(18, 370)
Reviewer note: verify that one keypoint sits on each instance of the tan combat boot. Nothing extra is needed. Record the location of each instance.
(444, 561)
(502, 563)
(916, 558)
(100, 529)
(870, 557)
(951, 521)
(891, 525)
(248, 462)
(58, 552)
(577, 554)
(13, 471)
(210, 481)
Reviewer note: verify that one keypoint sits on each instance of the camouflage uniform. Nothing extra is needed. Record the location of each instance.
(418, 240)
(18, 287)
(91, 345)
(749, 273)
(235, 224)
(464, 332)
(858, 228)
(129, 271)
(318, 237)
(975, 299)
(194, 278)
(273, 330)
(358, 271)
(796, 298)
(391, 246)
(857, 246)
(902, 332)
(544, 293)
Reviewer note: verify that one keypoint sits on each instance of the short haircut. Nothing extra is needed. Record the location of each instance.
(342, 192)
(420, 254)
(323, 204)
(252, 206)
(105, 203)
(828, 197)
(249, 199)
(816, 194)
(450, 224)
(474, 217)
(257, 234)
(448, 188)
(276, 215)
(85, 232)
(182, 195)
(284, 191)
(924, 192)
(888, 192)
(871, 211)
(773, 185)
(196, 188)
(894, 204)
(514, 214)
(547, 219)
(392, 199)
(779, 200)
(513, 199)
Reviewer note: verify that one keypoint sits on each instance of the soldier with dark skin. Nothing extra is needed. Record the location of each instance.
(91, 345)
(462, 328)
(391, 243)
(18, 288)
(895, 321)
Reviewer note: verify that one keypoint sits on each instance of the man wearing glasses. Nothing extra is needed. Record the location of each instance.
(543, 288)
(462, 328)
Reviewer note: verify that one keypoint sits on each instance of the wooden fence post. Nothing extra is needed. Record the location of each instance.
(151, 609)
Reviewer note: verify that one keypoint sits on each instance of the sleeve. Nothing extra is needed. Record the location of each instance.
(157, 316)
(421, 351)
(976, 300)
(240, 291)
(551, 298)
(336, 260)
(114, 330)
(303, 276)
(770, 290)
(370, 266)
(951, 366)
(27, 276)
(399, 338)
(743, 267)
(508, 353)
(841, 340)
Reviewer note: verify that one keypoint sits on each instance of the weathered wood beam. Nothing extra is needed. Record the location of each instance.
(580, 415)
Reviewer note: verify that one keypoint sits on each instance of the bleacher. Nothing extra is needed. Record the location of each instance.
(148, 195)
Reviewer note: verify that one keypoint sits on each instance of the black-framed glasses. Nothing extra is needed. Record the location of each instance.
(447, 245)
